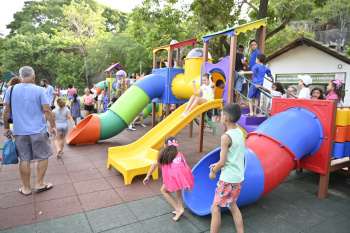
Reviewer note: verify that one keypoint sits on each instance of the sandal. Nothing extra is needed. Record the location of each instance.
(248, 114)
(47, 187)
(26, 194)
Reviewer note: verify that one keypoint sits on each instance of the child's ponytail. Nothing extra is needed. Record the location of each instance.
(169, 153)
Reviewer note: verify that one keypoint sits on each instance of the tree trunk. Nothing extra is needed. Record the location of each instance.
(281, 27)
(262, 14)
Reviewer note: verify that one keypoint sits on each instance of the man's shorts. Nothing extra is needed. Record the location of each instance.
(226, 193)
(254, 92)
(238, 82)
(33, 147)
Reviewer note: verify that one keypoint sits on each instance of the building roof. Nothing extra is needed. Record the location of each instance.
(115, 66)
(176, 45)
(237, 29)
(303, 40)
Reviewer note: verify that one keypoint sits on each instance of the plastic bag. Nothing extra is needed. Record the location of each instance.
(9, 154)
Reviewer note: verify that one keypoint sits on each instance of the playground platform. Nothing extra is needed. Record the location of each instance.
(88, 197)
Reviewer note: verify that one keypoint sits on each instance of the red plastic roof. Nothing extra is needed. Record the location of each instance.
(177, 45)
(115, 66)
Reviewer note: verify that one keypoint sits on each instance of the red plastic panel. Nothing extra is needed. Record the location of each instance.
(323, 109)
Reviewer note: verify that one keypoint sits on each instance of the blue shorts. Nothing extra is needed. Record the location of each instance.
(238, 83)
(254, 92)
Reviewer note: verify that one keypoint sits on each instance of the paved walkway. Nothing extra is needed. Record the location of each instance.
(88, 197)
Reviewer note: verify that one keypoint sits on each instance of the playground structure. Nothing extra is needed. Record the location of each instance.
(271, 151)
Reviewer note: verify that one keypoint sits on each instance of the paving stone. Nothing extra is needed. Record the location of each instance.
(166, 224)
(230, 228)
(17, 216)
(58, 191)
(73, 167)
(268, 223)
(149, 207)
(132, 228)
(22, 229)
(203, 222)
(57, 208)
(339, 223)
(110, 218)
(99, 199)
(269, 201)
(13, 199)
(69, 224)
(289, 192)
(85, 175)
(12, 185)
(136, 191)
(89, 186)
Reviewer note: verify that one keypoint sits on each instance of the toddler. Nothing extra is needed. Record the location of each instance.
(177, 175)
(62, 114)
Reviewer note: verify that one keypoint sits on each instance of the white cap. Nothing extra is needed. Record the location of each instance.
(307, 80)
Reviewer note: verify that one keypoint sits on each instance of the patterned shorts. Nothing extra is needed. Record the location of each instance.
(226, 193)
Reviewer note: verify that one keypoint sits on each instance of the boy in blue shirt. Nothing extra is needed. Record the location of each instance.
(231, 164)
(259, 71)
(253, 45)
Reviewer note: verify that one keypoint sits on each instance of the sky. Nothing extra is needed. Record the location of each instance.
(9, 7)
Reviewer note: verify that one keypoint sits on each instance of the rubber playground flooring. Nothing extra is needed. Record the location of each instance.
(88, 197)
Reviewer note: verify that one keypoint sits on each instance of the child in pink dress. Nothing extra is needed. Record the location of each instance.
(335, 89)
(177, 175)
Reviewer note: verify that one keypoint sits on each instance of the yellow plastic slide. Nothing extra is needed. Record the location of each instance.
(136, 158)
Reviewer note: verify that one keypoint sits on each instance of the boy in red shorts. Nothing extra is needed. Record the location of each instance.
(231, 164)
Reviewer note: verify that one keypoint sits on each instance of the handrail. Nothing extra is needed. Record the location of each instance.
(264, 92)
(251, 102)
(283, 89)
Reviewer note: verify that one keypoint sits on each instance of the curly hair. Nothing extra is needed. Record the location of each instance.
(169, 153)
(14, 81)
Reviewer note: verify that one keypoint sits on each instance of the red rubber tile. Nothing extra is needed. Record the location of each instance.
(10, 167)
(106, 172)
(58, 191)
(57, 208)
(136, 191)
(155, 185)
(89, 186)
(100, 163)
(12, 185)
(77, 159)
(98, 156)
(79, 166)
(17, 216)
(116, 181)
(12, 175)
(58, 179)
(99, 199)
(52, 170)
(85, 175)
(13, 199)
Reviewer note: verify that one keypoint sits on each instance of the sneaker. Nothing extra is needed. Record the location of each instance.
(131, 128)
(143, 125)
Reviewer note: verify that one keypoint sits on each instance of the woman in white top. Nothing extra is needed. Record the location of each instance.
(207, 89)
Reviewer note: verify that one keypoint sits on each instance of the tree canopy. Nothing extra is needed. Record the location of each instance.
(68, 41)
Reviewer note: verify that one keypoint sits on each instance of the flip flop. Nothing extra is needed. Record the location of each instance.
(248, 114)
(43, 189)
(26, 194)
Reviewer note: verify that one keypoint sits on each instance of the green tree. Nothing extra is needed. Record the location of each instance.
(46, 15)
(283, 37)
(82, 28)
(337, 10)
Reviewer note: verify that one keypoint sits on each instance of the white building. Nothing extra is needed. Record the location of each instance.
(307, 56)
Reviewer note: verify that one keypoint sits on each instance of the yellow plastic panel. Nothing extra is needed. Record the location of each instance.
(136, 158)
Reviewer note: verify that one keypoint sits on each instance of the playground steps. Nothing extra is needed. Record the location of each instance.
(249, 123)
